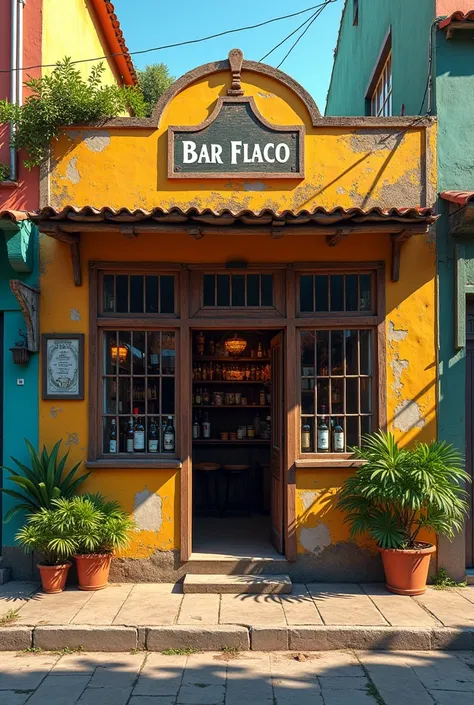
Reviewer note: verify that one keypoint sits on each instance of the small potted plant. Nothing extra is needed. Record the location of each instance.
(53, 537)
(397, 492)
(101, 527)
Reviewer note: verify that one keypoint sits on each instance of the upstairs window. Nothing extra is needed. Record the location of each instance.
(355, 17)
(379, 90)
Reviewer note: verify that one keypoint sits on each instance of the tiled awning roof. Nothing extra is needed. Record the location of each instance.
(462, 198)
(113, 33)
(461, 212)
(458, 20)
(13, 216)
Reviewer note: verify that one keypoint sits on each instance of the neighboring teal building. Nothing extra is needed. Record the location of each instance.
(405, 57)
(18, 329)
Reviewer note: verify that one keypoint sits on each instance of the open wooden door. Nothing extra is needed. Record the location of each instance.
(277, 444)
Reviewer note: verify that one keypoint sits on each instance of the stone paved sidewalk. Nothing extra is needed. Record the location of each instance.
(334, 678)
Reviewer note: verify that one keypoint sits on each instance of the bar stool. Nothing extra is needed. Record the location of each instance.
(208, 474)
(240, 472)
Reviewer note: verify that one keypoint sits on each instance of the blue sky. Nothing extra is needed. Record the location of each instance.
(148, 23)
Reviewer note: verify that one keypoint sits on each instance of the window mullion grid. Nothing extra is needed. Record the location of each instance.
(158, 295)
(160, 385)
(115, 293)
(145, 365)
(344, 387)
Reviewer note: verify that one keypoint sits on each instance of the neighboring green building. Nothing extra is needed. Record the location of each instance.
(410, 58)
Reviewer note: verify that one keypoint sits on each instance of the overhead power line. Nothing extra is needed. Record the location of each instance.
(321, 5)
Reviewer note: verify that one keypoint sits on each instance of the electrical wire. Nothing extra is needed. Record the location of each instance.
(277, 46)
(301, 36)
(177, 44)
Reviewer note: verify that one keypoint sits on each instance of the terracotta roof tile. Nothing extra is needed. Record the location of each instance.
(106, 13)
(460, 197)
(14, 216)
(457, 16)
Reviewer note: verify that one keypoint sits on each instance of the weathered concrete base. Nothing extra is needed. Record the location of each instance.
(5, 575)
(218, 637)
(237, 584)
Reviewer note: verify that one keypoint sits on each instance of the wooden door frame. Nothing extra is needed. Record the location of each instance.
(289, 490)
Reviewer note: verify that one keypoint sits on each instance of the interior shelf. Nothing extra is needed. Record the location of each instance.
(218, 442)
(212, 358)
(204, 382)
(231, 406)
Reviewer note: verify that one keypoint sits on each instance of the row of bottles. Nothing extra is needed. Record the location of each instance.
(260, 429)
(202, 396)
(135, 436)
(329, 437)
(201, 427)
(203, 371)
(211, 348)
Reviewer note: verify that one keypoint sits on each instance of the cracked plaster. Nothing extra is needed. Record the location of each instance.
(148, 510)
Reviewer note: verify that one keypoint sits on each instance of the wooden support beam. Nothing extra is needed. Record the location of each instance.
(340, 234)
(76, 262)
(397, 241)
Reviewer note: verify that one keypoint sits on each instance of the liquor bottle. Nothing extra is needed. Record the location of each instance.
(247, 373)
(205, 396)
(206, 427)
(113, 437)
(198, 397)
(338, 438)
(268, 430)
(259, 350)
(262, 397)
(212, 347)
(211, 371)
(306, 438)
(195, 427)
(252, 373)
(153, 437)
(169, 437)
(204, 372)
(139, 436)
(130, 436)
(323, 436)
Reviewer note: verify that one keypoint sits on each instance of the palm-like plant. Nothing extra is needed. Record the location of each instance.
(43, 482)
(100, 525)
(49, 533)
(396, 492)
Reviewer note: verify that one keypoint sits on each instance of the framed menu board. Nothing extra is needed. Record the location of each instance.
(63, 365)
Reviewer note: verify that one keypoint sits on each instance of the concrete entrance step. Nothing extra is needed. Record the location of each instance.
(238, 584)
(470, 576)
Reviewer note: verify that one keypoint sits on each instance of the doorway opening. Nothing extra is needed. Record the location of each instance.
(237, 444)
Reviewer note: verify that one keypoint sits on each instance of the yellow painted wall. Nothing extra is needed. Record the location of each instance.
(126, 167)
(70, 28)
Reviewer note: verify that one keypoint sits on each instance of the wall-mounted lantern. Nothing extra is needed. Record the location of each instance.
(21, 354)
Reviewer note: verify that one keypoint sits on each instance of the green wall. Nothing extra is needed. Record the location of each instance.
(359, 48)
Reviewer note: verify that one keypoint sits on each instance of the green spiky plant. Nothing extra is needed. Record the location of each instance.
(50, 533)
(44, 481)
(100, 525)
(397, 492)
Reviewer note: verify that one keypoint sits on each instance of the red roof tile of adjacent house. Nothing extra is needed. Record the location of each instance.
(457, 16)
(14, 216)
(110, 25)
(462, 198)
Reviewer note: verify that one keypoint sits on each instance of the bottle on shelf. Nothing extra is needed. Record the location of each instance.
(169, 436)
(195, 427)
(257, 425)
(259, 350)
(205, 397)
(252, 373)
(262, 397)
(129, 436)
(306, 445)
(198, 397)
(338, 438)
(204, 372)
(153, 437)
(113, 437)
(206, 427)
(139, 436)
(323, 435)
(268, 430)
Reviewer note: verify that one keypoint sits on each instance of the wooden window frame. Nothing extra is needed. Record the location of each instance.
(369, 268)
(384, 56)
(355, 12)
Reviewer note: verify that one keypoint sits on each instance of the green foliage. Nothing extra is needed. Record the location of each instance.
(50, 533)
(4, 171)
(396, 492)
(154, 81)
(442, 581)
(42, 482)
(61, 99)
(187, 651)
(9, 617)
(100, 526)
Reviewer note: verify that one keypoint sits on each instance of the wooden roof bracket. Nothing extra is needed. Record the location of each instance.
(340, 233)
(73, 240)
(397, 241)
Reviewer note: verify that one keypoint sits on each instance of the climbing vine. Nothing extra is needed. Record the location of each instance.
(4, 171)
(64, 98)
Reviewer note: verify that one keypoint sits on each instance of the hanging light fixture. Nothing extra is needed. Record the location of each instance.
(235, 345)
(119, 352)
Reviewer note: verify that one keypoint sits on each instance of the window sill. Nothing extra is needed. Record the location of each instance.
(120, 464)
(9, 184)
(328, 462)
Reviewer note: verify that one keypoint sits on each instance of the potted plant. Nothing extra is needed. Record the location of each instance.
(101, 527)
(397, 492)
(47, 532)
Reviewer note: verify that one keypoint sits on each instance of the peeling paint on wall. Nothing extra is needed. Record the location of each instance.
(398, 366)
(395, 334)
(96, 140)
(54, 411)
(74, 315)
(148, 511)
(72, 172)
(372, 140)
(72, 439)
(308, 499)
(254, 186)
(316, 538)
(408, 416)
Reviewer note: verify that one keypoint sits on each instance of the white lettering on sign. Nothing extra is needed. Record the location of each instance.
(240, 152)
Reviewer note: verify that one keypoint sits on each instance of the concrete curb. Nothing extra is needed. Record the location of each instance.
(218, 637)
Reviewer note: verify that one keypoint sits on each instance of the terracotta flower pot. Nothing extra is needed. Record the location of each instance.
(93, 570)
(53, 577)
(406, 570)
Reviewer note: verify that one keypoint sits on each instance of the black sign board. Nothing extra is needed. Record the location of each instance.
(236, 141)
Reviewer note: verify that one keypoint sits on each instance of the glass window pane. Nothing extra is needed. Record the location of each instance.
(223, 289)
(322, 292)
(365, 292)
(365, 352)
(238, 290)
(352, 431)
(267, 289)
(352, 395)
(337, 292)
(253, 285)
(337, 352)
(168, 345)
(322, 392)
(306, 293)
(138, 353)
(124, 398)
(151, 291)
(167, 395)
(167, 294)
(121, 286)
(107, 424)
(109, 299)
(322, 353)
(365, 395)
(124, 352)
(307, 353)
(153, 396)
(110, 353)
(136, 293)
(110, 395)
(305, 422)
(307, 396)
(351, 292)
(352, 362)
(337, 396)
(209, 292)
(154, 350)
(366, 425)
(138, 396)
